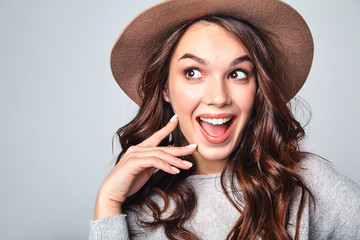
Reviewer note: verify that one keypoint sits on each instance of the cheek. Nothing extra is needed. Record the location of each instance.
(245, 103)
(183, 100)
(248, 102)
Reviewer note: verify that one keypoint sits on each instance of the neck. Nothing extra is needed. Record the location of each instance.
(206, 166)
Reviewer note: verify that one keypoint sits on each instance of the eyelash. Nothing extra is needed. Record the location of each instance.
(246, 73)
(186, 71)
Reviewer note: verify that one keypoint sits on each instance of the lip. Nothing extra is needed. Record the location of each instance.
(215, 115)
(226, 135)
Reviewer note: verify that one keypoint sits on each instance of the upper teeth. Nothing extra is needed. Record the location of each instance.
(215, 121)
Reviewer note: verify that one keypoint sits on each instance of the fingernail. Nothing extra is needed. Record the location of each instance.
(187, 163)
(175, 169)
(191, 146)
(173, 118)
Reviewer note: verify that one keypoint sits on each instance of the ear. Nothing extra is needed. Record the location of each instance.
(166, 95)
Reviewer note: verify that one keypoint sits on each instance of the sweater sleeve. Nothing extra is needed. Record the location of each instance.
(109, 228)
(337, 203)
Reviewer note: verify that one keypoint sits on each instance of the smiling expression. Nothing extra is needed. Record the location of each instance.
(211, 87)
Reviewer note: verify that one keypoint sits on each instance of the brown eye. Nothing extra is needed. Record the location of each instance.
(193, 73)
(238, 74)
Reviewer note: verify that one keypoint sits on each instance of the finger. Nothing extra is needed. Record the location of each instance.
(150, 162)
(158, 153)
(158, 136)
(176, 151)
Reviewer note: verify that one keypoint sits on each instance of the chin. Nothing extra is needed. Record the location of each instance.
(213, 154)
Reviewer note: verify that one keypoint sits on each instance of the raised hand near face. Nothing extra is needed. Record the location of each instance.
(136, 167)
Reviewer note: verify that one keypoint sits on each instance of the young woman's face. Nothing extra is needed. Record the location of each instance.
(211, 87)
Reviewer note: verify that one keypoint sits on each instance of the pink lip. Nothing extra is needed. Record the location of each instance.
(215, 115)
(223, 138)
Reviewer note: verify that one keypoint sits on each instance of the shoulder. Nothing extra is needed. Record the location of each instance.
(322, 177)
(336, 213)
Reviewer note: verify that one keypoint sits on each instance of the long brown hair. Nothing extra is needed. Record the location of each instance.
(264, 164)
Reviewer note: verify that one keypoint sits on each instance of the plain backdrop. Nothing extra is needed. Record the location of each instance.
(59, 105)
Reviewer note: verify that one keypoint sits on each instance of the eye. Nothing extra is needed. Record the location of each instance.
(237, 74)
(193, 73)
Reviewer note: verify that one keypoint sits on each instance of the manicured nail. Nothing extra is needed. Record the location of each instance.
(187, 163)
(191, 146)
(175, 169)
(173, 118)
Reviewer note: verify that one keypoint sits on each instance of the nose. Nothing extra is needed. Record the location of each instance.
(218, 93)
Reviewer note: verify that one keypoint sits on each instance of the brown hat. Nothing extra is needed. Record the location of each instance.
(283, 25)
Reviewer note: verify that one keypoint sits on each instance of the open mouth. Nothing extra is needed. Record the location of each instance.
(216, 129)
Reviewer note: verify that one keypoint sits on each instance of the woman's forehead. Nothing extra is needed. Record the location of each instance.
(209, 41)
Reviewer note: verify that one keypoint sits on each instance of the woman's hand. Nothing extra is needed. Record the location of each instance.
(136, 167)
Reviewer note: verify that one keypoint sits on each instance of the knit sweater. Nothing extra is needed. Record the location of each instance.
(336, 216)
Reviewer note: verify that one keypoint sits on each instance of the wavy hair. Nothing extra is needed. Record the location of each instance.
(264, 165)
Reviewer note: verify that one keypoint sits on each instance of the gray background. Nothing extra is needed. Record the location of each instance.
(60, 106)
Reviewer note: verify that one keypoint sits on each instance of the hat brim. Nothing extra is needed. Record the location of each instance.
(283, 26)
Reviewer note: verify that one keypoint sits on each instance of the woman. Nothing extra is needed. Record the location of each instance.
(216, 78)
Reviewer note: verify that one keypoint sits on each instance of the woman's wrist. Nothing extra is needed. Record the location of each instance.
(106, 208)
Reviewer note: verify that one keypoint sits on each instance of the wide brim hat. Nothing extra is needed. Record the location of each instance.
(280, 23)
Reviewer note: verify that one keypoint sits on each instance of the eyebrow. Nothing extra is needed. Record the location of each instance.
(195, 58)
(240, 59)
(203, 62)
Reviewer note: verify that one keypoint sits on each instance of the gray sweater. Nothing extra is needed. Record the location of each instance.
(337, 213)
